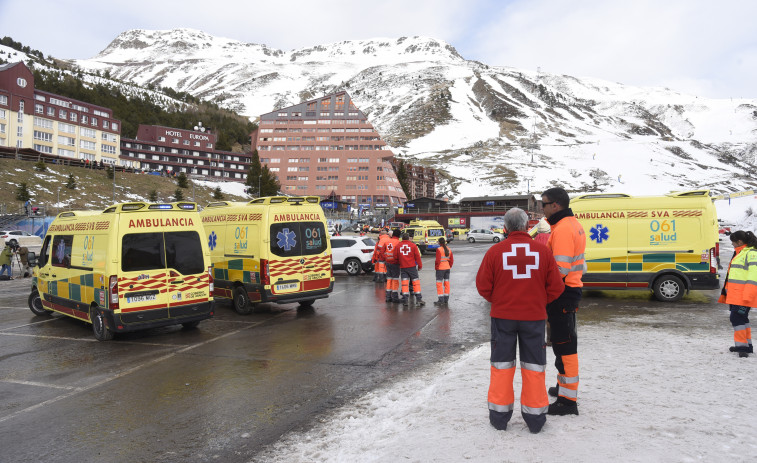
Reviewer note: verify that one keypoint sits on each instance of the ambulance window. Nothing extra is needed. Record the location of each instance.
(142, 251)
(62, 250)
(184, 252)
(44, 253)
(298, 239)
(435, 232)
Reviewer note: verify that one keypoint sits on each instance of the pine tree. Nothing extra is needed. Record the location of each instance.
(402, 177)
(153, 196)
(71, 183)
(110, 171)
(269, 183)
(22, 192)
(40, 166)
(178, 195)
(217, 194)
(182, 180)
(253, 173)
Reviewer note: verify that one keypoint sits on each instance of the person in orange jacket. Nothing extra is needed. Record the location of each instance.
(443, 264)
(739, 289)
(567, 242)
(391, 253)
(379, 271)
(410, 262)
(519, 277)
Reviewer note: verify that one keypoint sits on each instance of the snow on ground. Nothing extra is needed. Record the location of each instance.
(654, 390)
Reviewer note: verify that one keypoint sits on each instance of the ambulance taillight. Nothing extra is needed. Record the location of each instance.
(210, 281)
(113, 290)
(265, 275)
(714, 253)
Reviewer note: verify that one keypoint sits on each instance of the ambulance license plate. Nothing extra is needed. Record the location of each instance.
(287, 286)
(146, 297)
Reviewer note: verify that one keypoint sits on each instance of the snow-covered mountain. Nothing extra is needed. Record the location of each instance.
(489, 130)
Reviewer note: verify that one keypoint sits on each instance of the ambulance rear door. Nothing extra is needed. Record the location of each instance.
(298, 260)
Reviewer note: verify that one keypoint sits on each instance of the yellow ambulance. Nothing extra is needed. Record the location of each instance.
(132, 266)
(271, 249)
(425, 234)
(667, 244)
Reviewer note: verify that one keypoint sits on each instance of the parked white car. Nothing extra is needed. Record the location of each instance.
(481, 234)
(24, 239)
(352, 253)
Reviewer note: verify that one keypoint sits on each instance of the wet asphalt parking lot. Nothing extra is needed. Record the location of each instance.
(225, 390)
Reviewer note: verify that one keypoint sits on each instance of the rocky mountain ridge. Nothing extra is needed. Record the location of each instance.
(488, 130)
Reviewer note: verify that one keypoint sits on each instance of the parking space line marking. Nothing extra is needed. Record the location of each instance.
(127, 372)
(65, 338)
(29, 324)
(35, 383)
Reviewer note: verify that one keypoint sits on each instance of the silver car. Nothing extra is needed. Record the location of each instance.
(481, 234)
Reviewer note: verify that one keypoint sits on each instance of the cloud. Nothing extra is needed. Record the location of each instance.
(699, 44)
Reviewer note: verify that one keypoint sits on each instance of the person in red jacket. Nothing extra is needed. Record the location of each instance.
(391, 254)
(443, 264)
(519, 277)
(410, 262)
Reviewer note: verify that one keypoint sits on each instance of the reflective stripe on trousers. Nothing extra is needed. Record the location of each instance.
(442, 282)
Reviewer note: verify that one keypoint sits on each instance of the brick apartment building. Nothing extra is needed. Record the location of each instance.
(326, 147)
(52, 124)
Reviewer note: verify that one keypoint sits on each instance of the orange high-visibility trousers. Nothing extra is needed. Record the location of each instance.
(528, 336)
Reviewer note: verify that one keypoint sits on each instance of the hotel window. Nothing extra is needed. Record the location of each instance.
(87, 145)
(43, 136)
(186, 142)
(84, 119)
(114, 126)
(2, 114)
(89, 133)
(62, 113)
(68, 141)
(291, 169)
(94, 121)
(73, 117)
(334, 160)
(109, 137)
(3, 100)
(66, 128)
(209, 146)
(161, 138)
(44, 123)
(174, 140)
(303, 179)
(44, 149)
(105, 124)
(39, 109)
(108, 149)
(2, 128)
(197, 143)
(65, 152)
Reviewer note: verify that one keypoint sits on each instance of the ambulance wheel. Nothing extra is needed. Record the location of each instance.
(190, 325)
(471, 240)
(668, 288)
(352, 266)
(35, 304)
(242, 303)
(101, 330)
(307, 304)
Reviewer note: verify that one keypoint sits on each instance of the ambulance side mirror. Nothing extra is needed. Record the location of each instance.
(31, 258)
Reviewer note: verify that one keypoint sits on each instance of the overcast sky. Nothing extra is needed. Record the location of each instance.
(702, 47)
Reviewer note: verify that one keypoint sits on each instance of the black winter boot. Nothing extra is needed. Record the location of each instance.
(743, 354)
(563, 406)
(732, 349)
(554, 390)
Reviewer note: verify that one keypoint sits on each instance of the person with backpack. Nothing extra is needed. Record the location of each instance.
(443, 264)
(740, 289)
